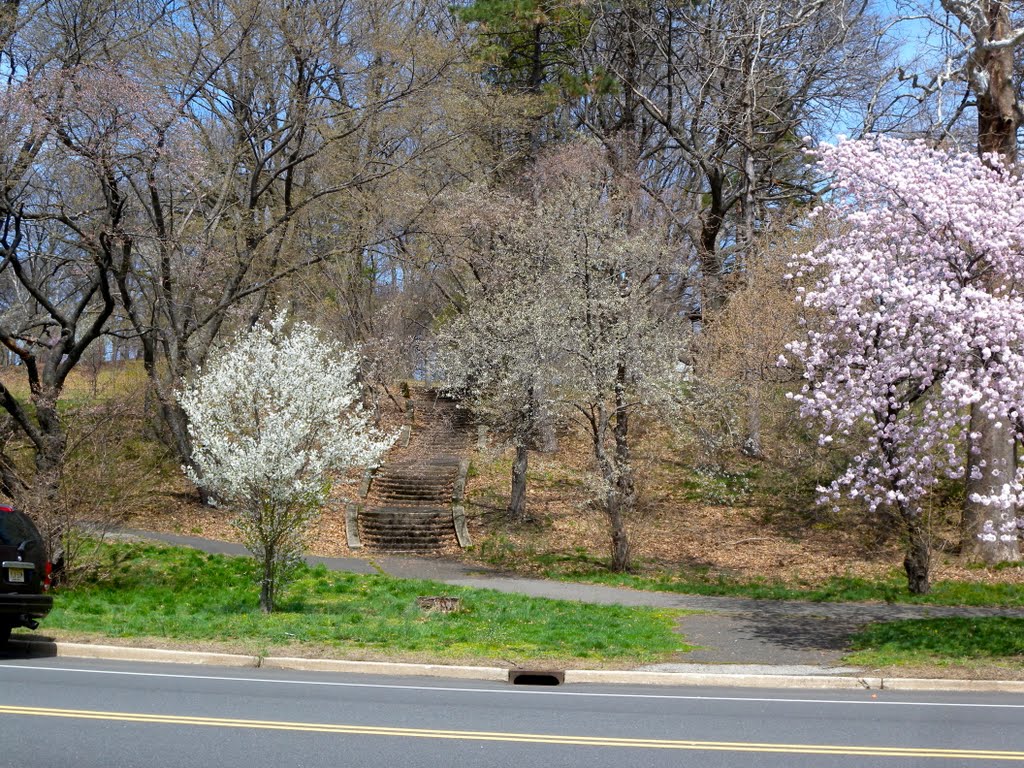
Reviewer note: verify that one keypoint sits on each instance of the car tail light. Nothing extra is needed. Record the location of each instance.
(6, 509)
(47, 571)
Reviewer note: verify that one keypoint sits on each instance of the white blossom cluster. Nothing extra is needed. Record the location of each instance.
(573, 305)
(916, 312)
(270, 419)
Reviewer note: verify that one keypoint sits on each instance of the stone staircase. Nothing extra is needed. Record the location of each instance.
(412, 502)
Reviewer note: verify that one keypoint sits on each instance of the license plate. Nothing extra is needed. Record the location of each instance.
(16, 575)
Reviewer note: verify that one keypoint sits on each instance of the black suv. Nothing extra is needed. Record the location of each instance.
(24, 573)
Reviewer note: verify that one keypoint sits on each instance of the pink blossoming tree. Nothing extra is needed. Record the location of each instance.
(915, 313)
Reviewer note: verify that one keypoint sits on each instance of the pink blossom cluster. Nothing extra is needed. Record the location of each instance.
(1007, 530)
(915, 311)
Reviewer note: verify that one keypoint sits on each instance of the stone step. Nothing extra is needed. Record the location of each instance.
(419, 542)
(442, 489)
(410, 549)
(408, 506)
(399, 513)
(410, 499)
(424, 539)
(408, 520)
(419, 504)
(425, 478)
(439, 492)
(412, 469)
(439, 489)
(386, 510)
(400, 529)
(408, 530)
(446, 449)
(439, 480)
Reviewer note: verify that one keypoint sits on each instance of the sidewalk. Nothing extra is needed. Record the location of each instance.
(774, 636)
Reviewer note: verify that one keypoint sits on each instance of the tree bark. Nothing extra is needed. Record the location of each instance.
(618, 482)
(517, 505)
(266, 595)
(917, 561)
(616, 508)
(49, 455)
(8, 21)
(992, 458)
(621, 494)
(267, 584)
(991, 463)
(546, 438)
(752, 440)
(998, 113)
(711, 220)
(11, 484)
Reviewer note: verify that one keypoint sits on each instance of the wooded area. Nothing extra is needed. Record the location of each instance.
(574, 214)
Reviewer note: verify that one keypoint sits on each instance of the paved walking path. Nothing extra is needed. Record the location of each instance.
(730, 630)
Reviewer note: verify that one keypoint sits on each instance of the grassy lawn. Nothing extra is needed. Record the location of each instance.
(144, 590)
(585, 568)
(941, 642)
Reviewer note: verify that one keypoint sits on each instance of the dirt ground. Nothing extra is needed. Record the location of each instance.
(678, 522)
(668, 531)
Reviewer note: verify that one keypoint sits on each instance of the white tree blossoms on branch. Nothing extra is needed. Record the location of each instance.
(271, 418)
(915, 314)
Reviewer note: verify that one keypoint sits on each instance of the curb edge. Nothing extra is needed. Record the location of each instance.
(36, 649)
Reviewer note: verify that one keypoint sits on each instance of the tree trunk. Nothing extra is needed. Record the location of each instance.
(918, 558)
(998, 114)
(266, 595)
(8, 21)
(267, 585)
(11, 484)
(992, 459)
(616, 509)
(42, 497)
(176, 421)
(546, 439)
(621, 493)
(49, 454)
(712, 291)
(991, 463)
(752, 440)
(517, 505)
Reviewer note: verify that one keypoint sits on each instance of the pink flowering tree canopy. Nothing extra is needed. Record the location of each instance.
(914, 312)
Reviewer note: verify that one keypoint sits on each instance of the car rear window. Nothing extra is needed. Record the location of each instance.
(16, 528)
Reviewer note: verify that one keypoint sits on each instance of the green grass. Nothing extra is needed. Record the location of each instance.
(147, 590)
(580, 566)
(943, 642)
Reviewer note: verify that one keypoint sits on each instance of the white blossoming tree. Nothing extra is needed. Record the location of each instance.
(575, 299)
(272, 418)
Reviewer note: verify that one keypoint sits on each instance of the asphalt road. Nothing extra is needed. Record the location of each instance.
(57, 712)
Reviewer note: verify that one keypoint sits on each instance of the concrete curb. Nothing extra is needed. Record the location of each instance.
(494, 674)
(36, 648)
(963, 686)
(723, 679)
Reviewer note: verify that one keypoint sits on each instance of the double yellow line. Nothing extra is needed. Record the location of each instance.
(521, 738)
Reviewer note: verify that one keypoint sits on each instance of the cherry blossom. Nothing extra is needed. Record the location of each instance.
(914, 311)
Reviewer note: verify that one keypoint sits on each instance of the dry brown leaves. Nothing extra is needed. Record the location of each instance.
(667, 532)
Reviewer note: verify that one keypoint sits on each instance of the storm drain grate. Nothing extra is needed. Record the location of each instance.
(535, 677)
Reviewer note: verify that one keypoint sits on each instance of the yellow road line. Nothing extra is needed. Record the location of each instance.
(523, 738)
